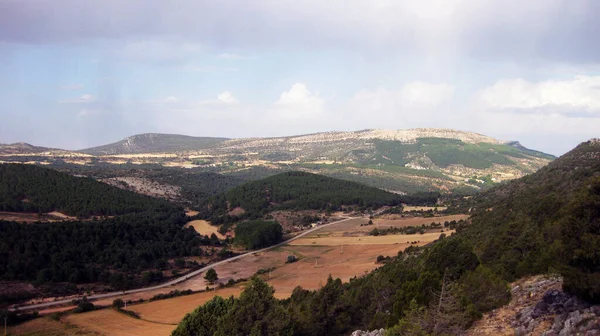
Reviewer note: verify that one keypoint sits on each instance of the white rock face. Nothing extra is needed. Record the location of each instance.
(407, 136)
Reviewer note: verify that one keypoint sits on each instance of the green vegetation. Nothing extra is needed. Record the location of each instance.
(28, 188)
(258, 234)
(445, 152)
(153, 143)
(301, 191)
(211, 276)
(544, 222)
(109, 251)
(382, 298)
(172, 294)
(124, 251)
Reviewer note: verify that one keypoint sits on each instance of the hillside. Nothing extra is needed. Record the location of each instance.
(129, 245)
(154, 143)
(402, 161)
(302, 191)
(21, 148)
(28, 188)
(547, 222)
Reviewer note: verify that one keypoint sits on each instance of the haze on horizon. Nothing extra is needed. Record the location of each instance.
(76, 74)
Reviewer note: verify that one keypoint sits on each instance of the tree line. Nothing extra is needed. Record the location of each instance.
(29, 188)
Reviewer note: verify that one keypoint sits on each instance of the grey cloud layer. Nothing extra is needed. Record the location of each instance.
(557, 30)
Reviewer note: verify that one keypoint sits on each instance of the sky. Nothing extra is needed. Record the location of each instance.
(76, 74)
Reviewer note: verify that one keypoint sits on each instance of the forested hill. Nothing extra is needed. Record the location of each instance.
(301, 191)
(29, 188)
(548, 220)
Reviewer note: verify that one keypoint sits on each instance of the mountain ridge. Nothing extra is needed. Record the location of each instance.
(404, 161)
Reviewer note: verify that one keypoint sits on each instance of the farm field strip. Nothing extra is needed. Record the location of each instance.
(370, 240)
(310, 272)
(384, 222)
(110, 322)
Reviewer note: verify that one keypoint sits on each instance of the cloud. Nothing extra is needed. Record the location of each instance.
(558, 30)
(579, 96)
(298, 103)
(83, 99)
(227, 98)
(414, 97)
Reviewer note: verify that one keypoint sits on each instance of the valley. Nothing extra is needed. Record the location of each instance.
(315, 264)
(319, 254)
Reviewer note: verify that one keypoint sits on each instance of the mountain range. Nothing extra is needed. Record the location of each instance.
(404, 161)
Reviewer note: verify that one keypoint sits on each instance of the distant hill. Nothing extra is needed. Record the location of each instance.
(29, 188)
(549, 220)
(403, 161)
(302, 191)
(21, 148)
(153, 143)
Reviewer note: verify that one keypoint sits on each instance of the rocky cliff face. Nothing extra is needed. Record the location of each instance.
(540, 307)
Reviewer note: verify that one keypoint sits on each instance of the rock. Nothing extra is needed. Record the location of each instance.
(380, 332)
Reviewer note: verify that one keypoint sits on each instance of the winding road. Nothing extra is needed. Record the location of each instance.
(177, 280)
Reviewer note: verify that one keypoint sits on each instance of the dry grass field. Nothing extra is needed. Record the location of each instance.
(171, 311)
(47, 327)
(353, 226)
(111, 322)
(204, 228)
(311, 271)
(402, 240)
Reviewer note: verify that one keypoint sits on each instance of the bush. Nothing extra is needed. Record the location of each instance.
(291, 259)
(211, 276)
(83, 306)
(118, 303)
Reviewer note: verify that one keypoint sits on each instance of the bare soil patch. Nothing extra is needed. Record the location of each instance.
(204, 228)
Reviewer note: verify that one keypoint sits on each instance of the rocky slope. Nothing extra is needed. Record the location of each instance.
(21, 148)
(539, 306)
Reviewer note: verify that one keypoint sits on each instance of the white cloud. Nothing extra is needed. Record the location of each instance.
(579, 96)
(83, 99)
(298, 103)
(227, 98)
(412, 96)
